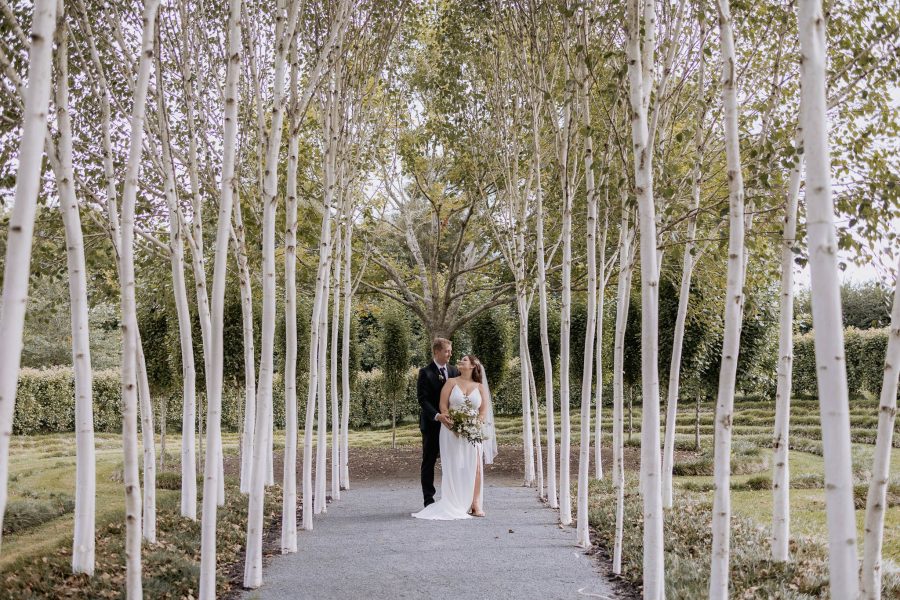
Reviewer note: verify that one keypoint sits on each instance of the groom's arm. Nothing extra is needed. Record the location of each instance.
(422, 386)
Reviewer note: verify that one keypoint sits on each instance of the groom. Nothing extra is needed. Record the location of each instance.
(428, 390)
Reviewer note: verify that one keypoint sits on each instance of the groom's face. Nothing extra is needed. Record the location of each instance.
(442, 355)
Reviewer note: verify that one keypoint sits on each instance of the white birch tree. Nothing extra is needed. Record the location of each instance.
(83, 542)
(734, 305)
(583, 536)
(687, 269)
(130, 338)
(876, 498)
(826, 306)
(641, 41)
(16, 269)
(289, 485)
(781, 517)
(228, 187)
(623, 298)
(285, 25)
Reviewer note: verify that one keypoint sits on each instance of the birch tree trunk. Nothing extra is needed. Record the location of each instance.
(16, 269)
(320, 505)
(781, 516)
(85, 470)
(240, 247)
(314, 342)
(148, 442)
(876, 499)
(583, 536)
(528, 437)
(542, 301)
(536, 409)
(335, 407)
(826, 307)
(289, 486)
(332, 133)
(687, 269)
(195, 235)
(130, 336)
(641, 42)
(284, 33)
(565, 322)
(176, 258)
(345, 358)
(623, 298)
(598, 390)
(223, 229)
(734, 305)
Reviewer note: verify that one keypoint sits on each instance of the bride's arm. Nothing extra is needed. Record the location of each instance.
(444, 405)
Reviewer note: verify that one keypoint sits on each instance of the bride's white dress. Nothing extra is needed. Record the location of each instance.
(459, 461)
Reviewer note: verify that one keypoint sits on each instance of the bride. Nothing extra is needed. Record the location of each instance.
(462, 482)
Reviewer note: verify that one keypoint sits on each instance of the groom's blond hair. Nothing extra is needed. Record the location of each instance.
(440, 344)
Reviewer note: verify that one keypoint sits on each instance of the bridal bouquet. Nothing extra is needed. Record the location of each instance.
(466, 424)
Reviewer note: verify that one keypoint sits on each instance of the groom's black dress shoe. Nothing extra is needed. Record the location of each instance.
(429, 501)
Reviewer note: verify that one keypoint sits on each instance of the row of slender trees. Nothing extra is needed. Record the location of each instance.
(557, 62)
(304, 69)
(558, 115)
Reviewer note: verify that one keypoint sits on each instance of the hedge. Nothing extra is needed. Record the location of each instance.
(864, 349)
(46, 401)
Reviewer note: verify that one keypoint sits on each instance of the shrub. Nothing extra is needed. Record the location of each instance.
(757, 482)
(745, 458)
(168, 480)
(864, 351)
(861, 491)
(22, 515)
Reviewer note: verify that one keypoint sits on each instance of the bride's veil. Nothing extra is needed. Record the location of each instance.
(489, 447)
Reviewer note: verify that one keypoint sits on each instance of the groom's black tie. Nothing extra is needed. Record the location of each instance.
(444, 373)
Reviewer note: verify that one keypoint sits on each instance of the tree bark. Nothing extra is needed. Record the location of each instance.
(542, 300)
(876, 499)
(16, 269)
(687, 269)
(176, 258)
(781, 517)
(623, 298)
(284, 33)
(83, 543)
(148, 442)
(583, 536)
(826, 307)
(640, 49)
(239, 244)
(335, 357)
(345, 356)
(734, 305)
(130, 335)
(223, 230)
(289, 485)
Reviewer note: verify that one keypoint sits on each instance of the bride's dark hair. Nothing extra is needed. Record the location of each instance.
(477, 370)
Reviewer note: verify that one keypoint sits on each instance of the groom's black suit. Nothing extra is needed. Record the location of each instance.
(428, 390)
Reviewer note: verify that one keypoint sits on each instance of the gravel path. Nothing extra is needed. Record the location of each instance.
(368, 546)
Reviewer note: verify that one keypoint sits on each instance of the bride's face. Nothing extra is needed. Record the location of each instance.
(465, 365)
